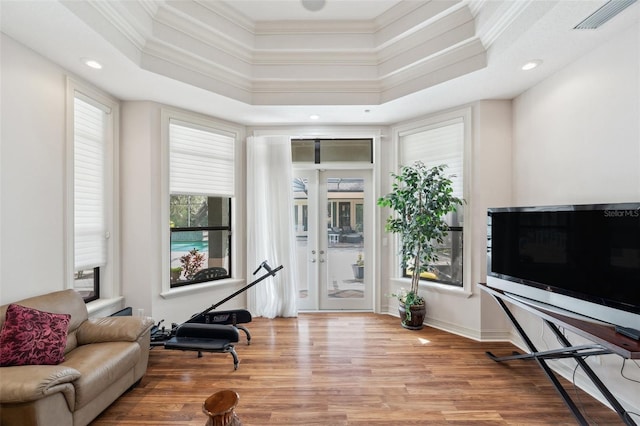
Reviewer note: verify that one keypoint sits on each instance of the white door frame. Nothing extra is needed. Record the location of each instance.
(314, 257)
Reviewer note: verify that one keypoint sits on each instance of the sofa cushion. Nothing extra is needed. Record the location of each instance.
(33, 337)
(100, 365)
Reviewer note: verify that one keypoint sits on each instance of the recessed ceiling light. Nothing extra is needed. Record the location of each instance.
(531, 64)
(92, 63)
(314, 116)
(313, 5)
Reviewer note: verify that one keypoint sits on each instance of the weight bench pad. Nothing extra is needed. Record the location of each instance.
(208, 331)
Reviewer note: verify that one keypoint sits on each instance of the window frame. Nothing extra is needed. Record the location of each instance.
(207, 229)
(432, 122)
(237, 244)
(323, 142)
(105, 286)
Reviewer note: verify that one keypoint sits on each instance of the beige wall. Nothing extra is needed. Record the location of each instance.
(32, 173)
(577, 134)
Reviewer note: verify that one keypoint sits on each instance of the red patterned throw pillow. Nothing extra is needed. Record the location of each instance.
(33, 337)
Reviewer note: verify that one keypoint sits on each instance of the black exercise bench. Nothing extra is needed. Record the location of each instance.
(205, 338)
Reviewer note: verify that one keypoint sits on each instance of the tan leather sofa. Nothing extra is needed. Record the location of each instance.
(103, 358)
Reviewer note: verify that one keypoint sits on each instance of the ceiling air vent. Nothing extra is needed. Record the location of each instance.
(602, 15)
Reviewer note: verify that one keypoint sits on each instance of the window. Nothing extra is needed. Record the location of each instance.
(92, 145)
(442, 144)
(319, 151)
(201, 189)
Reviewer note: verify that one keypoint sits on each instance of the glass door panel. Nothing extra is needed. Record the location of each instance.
(305, 202)
(332, 224)
(344, 281)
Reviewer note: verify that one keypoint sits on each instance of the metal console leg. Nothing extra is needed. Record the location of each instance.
(579, 353)
(567, 352)
(541, 362)
(596, 381)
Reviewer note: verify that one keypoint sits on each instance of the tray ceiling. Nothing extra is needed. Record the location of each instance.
(274, 62)
(236, 51)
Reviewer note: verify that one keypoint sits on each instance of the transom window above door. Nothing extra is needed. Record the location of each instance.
(316, 151)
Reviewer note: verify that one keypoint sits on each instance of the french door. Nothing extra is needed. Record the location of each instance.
(333, 215)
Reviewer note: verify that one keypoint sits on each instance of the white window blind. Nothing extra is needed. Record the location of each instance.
(201, 161)
(435, 146)
(89, 157)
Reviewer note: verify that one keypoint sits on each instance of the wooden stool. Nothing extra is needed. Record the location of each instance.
(219, 407)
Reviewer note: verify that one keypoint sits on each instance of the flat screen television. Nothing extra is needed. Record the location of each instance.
(581, 259)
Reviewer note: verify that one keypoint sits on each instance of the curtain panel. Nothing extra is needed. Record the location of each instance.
(270, 225)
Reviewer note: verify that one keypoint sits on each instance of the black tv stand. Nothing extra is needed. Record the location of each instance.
(606, 341)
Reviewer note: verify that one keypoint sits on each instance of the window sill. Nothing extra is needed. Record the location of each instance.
(104, 307)
(440, 288)
(198, 288)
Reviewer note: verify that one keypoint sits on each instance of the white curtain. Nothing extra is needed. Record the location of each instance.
(270, 225)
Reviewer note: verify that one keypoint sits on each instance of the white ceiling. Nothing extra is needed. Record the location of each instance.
(287, 10)
(510, 32)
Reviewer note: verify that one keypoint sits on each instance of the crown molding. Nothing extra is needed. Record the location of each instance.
(150, 6)
(208, 48)
(350, 57)
(445, 33)
(501, 19)
(227, 12)
(317, 86)
(410, 17)
(451, 59)
(206, 23)
(210, 68)
(120, 17)
(182, 67)
(314, 27)
(356, 92)
(410, 47)
(464, 58)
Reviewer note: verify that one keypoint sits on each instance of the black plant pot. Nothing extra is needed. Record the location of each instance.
(418, 312)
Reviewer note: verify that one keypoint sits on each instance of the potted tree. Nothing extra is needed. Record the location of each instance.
(421, 197)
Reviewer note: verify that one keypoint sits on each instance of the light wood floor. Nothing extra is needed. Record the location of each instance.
(351, 369)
